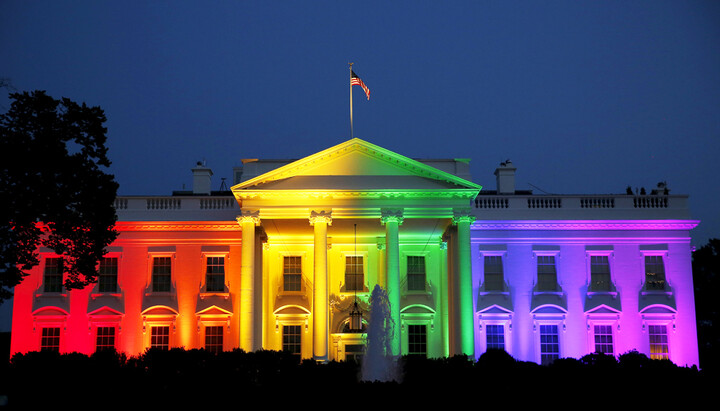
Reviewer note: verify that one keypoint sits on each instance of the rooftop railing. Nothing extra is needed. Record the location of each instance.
(153, 203)
(580, 201)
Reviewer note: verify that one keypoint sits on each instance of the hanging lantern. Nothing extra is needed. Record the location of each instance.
(355, 313)
(355, 318)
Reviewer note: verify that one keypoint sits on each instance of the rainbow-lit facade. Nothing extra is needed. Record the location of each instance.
(278, 263)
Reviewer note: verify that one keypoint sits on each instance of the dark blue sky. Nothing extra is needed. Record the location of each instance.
(583, 96)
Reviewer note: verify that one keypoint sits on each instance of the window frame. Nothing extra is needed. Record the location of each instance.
(539, 328)
(666, 321)
(221, 345)
(663, 255)
(408, 274)
(494, 319)
(169, 336)
(226, 261)
(592, 333)
(151, 271)
(503, 284)
(538, 255)
(663, 355)
(610, 255)
(43, 338)
(283, 274)
(61, 275)
(363, 284)
(411, 343)
(96, 336)
(99, 285)
(299, 334)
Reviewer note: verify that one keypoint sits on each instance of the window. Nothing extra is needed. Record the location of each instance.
(107, 275)
(161, 274)
(494, 280)
(547, 273)
(658, 342)
(354, 352)
(52, 282)
(549, 343)
(417, 339)
(105, 339)
(495, 336)
(160, 337)
(50, 340)
(603, 339)
(654, 273)
(416, 273)
(292, 273)
(215, 274)
(599, 273)
(214, 339)
(354, 273)
(291, 339)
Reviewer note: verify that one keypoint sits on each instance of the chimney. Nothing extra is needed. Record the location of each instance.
(201, 179)
(505, 175)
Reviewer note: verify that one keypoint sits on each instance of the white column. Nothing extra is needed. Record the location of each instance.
(463, 220)
(248, 221)
(392, 219)
(321, 320)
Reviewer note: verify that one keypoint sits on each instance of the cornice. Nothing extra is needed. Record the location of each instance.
(176, 226)
(339, 194)
(586, 225)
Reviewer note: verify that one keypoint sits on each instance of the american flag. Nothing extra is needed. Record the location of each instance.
(355, 81)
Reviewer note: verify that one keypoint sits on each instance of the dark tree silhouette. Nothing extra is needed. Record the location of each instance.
(706, 281)
(53, 188)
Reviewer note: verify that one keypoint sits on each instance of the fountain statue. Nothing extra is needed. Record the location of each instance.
(378, 362)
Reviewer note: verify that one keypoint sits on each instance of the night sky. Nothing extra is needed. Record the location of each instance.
(583, 96)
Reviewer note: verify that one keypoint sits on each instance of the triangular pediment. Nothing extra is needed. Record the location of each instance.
(355, 165)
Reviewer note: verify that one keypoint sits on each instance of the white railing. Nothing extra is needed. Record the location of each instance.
(607, 202)
(173, 203)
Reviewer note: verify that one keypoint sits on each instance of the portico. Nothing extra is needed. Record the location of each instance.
(338, 223)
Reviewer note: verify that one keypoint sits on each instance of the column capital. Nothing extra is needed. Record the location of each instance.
(321, 216)
(462, 216)
(392, 215)
(249, 216)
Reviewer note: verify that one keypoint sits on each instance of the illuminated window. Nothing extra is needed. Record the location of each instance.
(214, 339)
(547, 273)
(292, 339)
(417, 339)
(160, 337)
(161, 274)
(416, 273)
(354, 273)
(292, 273)
(599, 273)
(494, 279)
(105, 339)
(654, 272)
(215, 274)
(658, 342)
(50, 340)
(53, 278)
(604, 339)
(495, 336)
(107, 275)
(549, 343)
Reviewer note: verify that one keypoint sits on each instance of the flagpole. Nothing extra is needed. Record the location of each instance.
(351, 110)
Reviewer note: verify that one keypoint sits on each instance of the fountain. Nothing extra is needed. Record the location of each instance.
(378, 362)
